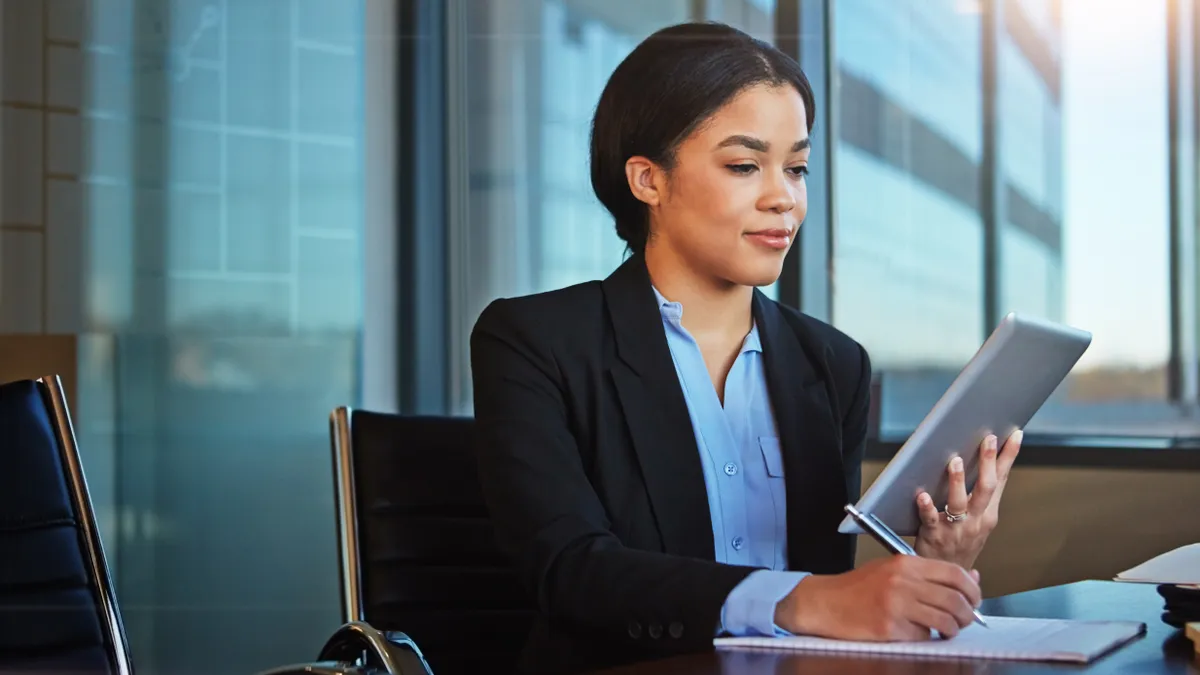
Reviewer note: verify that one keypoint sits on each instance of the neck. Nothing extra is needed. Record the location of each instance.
(713, 308)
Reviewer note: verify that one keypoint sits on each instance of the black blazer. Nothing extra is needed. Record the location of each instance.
(592, 475)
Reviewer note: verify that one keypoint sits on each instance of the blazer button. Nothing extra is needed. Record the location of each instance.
(675, 629)
(655, 630)
(635, 630)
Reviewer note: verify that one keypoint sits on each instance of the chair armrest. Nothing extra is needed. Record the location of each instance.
(357, 648)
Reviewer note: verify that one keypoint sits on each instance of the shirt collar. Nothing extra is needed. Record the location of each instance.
(672, 312)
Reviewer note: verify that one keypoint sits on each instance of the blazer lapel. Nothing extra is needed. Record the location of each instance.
(655, 409)
(810, 438)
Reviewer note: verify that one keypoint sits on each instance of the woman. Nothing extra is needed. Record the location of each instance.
(666, 453)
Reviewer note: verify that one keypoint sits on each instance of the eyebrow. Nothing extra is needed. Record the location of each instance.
(760, 145)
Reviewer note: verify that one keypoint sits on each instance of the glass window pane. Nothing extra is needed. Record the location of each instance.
(1187, 286)
(908, 262)
(220, 225)
(756, 17)
(1085, 238)
(908, 251)
(535, 70)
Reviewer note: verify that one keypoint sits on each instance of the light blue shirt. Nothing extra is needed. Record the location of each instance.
(743, 474)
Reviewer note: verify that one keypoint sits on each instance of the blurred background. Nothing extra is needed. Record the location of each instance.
(219, 219)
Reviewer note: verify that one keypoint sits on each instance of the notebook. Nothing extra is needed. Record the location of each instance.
(1181, 566)
(1005, 638)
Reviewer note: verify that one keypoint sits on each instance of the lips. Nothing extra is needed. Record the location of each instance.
(777, 239)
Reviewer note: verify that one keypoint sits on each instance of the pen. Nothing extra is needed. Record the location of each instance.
(891, 541)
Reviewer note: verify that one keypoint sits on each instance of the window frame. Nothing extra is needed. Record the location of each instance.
(424, 185)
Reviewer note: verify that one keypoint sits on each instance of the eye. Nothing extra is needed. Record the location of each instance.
(799, 171)
(741, 169)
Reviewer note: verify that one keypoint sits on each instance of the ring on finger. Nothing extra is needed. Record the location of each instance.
(954, 517)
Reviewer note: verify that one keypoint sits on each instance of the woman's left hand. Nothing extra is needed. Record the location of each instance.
(960, 539)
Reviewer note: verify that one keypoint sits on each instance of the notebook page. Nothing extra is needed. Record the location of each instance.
(1004, 638)
(1048, 639)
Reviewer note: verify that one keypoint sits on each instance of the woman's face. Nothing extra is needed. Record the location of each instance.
(733, 203)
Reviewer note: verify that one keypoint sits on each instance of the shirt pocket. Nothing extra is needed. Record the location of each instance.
(772, 455)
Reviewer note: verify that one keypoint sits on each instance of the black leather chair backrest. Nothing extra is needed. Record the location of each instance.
(429, 564)
(56, 610)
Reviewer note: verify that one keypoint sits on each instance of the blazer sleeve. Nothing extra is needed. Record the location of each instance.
(550, 521)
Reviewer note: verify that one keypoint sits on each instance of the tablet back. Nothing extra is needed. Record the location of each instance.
(999, 390)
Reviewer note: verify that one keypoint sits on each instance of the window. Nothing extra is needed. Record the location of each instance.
(1109, 270)
(908, 238)
(1081, 231)
(226, 234)
(535, 70)
(188, 201)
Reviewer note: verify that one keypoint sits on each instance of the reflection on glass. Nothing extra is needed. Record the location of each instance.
(578, 241)
(908, 251)
(1079, 238)
(1112, 261)
(535, 71)
(223, 220)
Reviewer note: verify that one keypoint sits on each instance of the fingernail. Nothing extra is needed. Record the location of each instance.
(926, 500)
(991, 443)
(1018, 436)
(956, 465)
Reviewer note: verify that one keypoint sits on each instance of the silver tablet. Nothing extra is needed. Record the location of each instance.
(1011, 376)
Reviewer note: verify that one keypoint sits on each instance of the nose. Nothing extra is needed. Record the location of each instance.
(777, 197)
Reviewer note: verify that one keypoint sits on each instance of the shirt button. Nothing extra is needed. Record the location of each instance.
(731, 469)
(738, 543)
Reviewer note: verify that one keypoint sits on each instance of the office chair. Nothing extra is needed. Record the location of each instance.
(417, 549)
(58, 612)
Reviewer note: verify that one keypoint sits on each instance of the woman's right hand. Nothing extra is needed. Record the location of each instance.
(895, 598)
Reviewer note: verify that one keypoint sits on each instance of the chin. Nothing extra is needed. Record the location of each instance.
(758, 273)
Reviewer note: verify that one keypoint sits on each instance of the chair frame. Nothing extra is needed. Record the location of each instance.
(350, 647)
(55, 400)
(345, 497)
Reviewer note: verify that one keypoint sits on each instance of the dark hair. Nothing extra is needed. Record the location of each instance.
(668, 85)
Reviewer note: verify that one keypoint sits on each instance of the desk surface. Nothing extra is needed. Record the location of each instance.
(1162, 650)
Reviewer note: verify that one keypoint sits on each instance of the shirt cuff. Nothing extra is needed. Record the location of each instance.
(749, 610)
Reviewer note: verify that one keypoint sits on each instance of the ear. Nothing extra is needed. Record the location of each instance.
(644, 177)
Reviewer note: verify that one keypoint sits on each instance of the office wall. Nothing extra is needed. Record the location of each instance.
(1064, 524)
(40, 215)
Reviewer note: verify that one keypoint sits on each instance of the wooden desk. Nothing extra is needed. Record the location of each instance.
(1162, 650)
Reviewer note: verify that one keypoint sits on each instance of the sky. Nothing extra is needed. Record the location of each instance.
(1115, 178)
